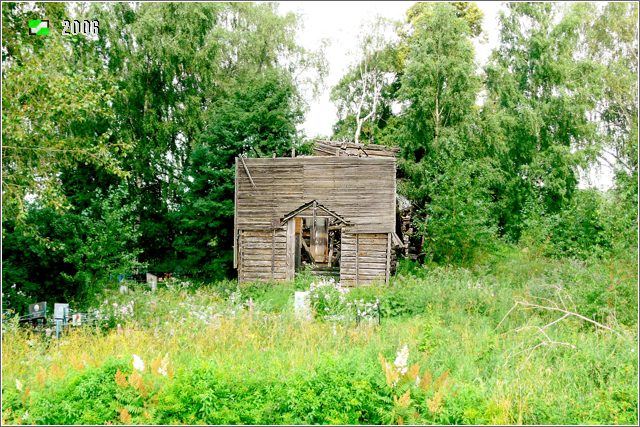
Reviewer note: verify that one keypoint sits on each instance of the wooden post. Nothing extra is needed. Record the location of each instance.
(330, 247)
(235, 219)
(246, 169)
(388, 258)
(357, 256)
(240, 269)
(312, 238)
(273, 253)
(291, 249)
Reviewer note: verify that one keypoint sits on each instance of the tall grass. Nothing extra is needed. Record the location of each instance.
(234, 362)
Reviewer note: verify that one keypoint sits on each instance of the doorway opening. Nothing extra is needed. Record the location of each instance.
(317, 242)
(314, 239)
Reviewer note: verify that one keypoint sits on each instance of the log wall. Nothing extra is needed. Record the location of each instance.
(361, 190)
(363, 258)
(262, 255)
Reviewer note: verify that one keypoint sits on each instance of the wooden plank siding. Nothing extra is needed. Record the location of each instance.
(363, 259)
(360, 190)
(262, 255)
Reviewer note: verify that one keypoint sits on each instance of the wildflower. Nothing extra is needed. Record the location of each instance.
(18, 385)
(138, 363)
(164, 365)
(402, 357)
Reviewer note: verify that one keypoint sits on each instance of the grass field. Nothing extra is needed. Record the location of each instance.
(209, 358)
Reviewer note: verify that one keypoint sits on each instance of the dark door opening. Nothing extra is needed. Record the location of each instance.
(317, 242)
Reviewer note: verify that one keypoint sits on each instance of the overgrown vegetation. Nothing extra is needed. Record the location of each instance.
(212, 356)
(118, 156)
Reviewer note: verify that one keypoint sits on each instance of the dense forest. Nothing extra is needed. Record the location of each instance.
(118, 150)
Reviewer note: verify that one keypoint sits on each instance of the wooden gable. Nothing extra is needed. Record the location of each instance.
(361, 190)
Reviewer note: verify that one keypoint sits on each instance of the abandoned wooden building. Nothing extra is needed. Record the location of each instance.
(333, 211)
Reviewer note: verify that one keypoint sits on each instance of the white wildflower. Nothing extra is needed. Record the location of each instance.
(18, 385)
(402, 357)
(164, 365)
(138, 363)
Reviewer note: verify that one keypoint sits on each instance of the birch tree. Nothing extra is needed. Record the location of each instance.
(359, 94)
(449, 171)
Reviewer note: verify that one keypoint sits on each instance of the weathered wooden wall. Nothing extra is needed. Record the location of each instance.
(262, 255)
(364, 258)
(361, 190)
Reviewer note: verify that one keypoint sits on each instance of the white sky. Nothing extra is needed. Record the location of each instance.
(339, 23)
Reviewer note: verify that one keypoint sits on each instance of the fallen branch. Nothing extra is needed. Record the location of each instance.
(526, 304)
(547, 342)
(567, 313)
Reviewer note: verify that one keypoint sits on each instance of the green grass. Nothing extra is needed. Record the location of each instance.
(229, 364)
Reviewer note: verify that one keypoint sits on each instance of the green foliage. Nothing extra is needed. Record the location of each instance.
(198, 92)
(543, 95)
(68, 404)
(468, 11)
(329, 395)
(231, 365)
(364, 95)
(56, 114)
(449, 171)
(160, 109)
(327, 299)
(612, 40)
(591, 225)
(105, 238)
(258, 115)
(52, 256)
(28, 259)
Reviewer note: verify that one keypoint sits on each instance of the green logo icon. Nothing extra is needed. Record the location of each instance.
(38, 27)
